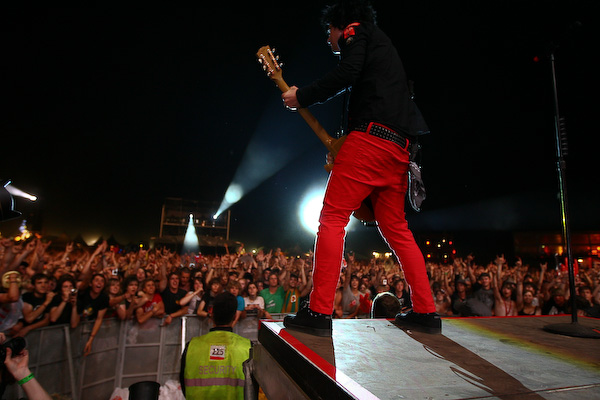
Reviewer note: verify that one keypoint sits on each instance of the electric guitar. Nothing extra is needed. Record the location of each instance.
(271, 65)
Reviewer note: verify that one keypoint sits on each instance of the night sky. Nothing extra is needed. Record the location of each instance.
(108, 111)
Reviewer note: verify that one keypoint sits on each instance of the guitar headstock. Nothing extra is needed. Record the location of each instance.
(270, 62)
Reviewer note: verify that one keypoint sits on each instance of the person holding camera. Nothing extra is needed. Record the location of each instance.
(17, 365)
(63, 307)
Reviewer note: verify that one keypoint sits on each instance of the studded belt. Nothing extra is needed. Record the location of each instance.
(382, 132)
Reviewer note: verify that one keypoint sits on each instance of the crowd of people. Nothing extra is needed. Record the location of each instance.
(45, 285)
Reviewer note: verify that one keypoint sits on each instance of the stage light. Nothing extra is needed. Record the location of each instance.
(91, 238)
(255, 167)
(234, 193)
(7, 203)
(25, 232)
(190, 241)
(310, 209)
(19, 193)
(274, 144)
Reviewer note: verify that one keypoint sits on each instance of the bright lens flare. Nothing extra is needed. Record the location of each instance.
(309, 211)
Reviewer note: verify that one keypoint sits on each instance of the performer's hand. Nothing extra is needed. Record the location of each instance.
(290, 100)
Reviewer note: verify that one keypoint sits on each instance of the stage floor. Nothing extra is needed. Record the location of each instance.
(474, 358)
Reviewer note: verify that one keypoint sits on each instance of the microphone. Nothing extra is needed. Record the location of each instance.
(552, 46)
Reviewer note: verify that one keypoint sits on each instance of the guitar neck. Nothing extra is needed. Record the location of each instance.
(332, 144)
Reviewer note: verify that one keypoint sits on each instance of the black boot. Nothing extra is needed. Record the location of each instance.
(310, 322)
(428, 323)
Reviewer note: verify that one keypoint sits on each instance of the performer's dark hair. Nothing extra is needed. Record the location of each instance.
(224, 308)
(344, 12)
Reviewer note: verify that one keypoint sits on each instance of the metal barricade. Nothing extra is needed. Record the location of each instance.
(123, 353)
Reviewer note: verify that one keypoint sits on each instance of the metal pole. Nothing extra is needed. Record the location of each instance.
(574, 328)
(228, 223)
(162, 221)
(562, 185)
(70, 362)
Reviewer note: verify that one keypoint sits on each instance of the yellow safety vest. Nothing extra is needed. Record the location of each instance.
(213, 366)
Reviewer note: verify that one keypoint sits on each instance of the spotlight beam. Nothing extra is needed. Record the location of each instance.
(19, 193)
(274, 145)
(190, 241)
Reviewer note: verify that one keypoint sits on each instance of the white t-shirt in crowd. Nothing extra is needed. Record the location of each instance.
(258, 300)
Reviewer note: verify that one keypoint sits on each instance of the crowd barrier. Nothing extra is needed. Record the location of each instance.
(123, 353)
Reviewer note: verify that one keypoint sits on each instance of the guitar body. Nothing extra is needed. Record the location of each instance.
(365, 211)
(272, 67)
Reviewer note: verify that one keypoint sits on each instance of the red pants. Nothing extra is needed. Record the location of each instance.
(367, 165)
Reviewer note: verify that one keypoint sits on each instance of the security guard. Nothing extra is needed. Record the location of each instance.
(211, 364)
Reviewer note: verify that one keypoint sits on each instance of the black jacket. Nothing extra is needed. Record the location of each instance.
(371, 67)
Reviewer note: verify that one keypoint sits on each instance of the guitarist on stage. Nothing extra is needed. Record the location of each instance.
(373, 162)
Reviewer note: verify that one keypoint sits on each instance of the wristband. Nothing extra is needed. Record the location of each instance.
(25, 380)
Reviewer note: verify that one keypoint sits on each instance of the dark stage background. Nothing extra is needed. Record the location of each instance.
(108, 111)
